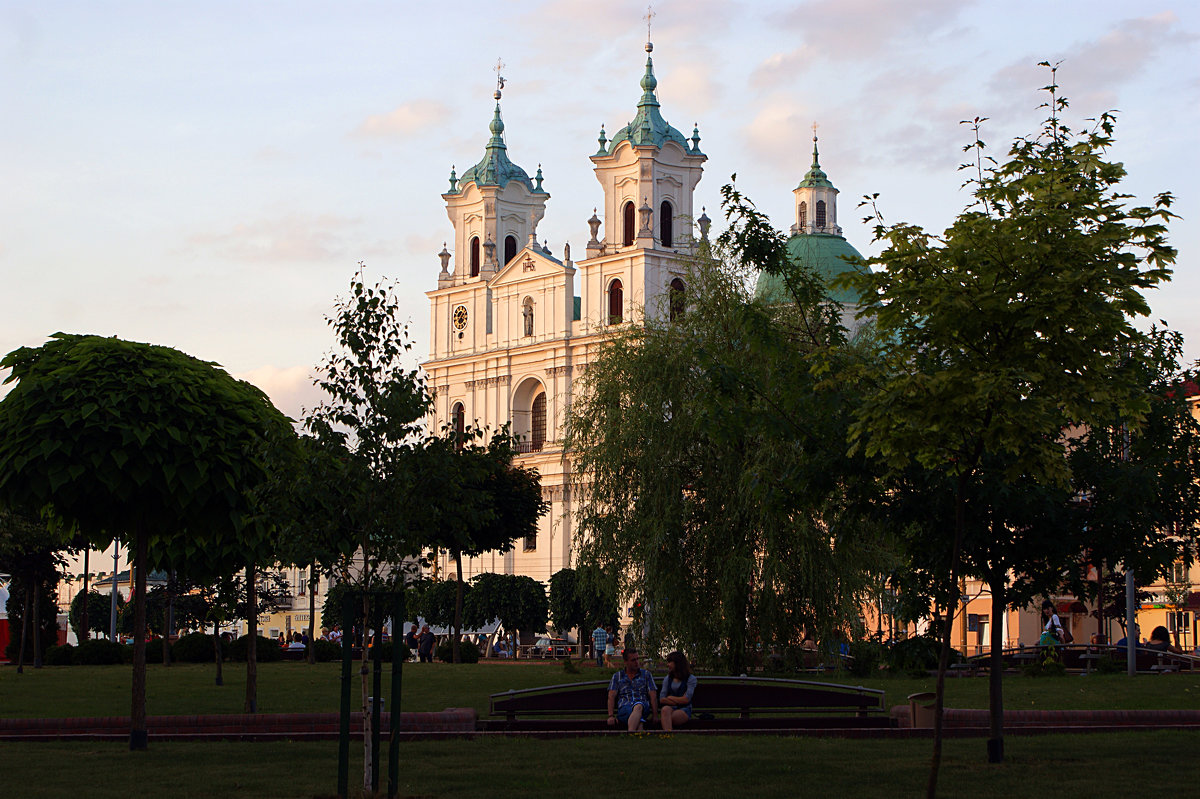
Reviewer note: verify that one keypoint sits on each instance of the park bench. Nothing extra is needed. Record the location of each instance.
(1085, 657)
(718, 703)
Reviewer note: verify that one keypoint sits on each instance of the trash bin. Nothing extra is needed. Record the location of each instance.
(922, 709)
(383, 704)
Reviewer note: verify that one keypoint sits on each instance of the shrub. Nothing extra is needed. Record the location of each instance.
(268, 650)
(59, 655)
(918, 655)
(1048, 665)
(865, 657)
(327, 650)
(467, 652)
(99, 652)
(194, 648)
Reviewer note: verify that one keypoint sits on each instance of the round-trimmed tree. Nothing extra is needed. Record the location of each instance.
(142, 442)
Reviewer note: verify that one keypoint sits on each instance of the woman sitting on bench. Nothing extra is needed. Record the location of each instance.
(675, 698)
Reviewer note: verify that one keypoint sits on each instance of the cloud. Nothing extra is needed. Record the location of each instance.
(778, 67)
(1091, 71)
(289, 238)
(778, 135)
(854, 29)
(414, 117)
(290, 388)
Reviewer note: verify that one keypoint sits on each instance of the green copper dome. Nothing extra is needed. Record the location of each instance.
(820, 252)
(495, 169)
(648, 127)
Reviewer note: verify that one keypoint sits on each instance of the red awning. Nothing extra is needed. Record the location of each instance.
(1073, 606)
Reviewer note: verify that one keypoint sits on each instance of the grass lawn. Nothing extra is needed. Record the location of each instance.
(298, 687)
(1046, 766)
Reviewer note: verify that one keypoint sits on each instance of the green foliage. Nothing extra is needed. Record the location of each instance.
(63, 655)
(518, 602)
(99, 652)
(566, 605)
(99, 608)
(917, 655)
(467, 652)
(195, 648)
(434, 600)
(48, 616)
(866, 657)
(1048, 665)
(113, 435)
(267, 651)
(711, 449)
(326, 651)
(365, 431)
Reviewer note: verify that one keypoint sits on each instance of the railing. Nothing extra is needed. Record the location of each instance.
(525, 447)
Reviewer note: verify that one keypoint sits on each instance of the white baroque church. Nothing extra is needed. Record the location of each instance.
(513, 326)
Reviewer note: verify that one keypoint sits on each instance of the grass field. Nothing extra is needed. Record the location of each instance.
(681, 765)
(298, 687)
(1101, 765)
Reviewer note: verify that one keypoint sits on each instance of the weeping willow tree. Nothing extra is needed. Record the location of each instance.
(710, 451)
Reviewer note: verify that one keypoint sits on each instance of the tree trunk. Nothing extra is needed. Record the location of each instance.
(166, 642)
(36, 587)
(458, 605)
(312, 614)
(995, 744)
(960, 523)
(251, 704)
(83, 634)
(217, 652)
(24, 629)
(364, 674)
(137, 716)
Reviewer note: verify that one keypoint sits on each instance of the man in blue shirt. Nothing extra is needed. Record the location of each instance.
(629, 692)
(599, 641)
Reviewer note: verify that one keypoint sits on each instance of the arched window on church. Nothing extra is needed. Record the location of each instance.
(474, 256)
(820, 214)
(458, 421)
(628, 221)
(527, 315)
(666, 218)
(510, 248)
(677, 298)
(616, 302)
(537, 423)
(803, 215)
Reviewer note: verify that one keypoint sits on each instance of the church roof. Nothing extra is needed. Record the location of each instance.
(824, 254)
(648, 126)
(815, 178)
(495, 168)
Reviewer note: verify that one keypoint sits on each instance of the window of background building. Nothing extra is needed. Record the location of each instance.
(666, 218)
(628, 217)
(616, 302)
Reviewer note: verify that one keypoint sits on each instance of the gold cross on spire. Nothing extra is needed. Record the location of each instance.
(499, 79)
(649, 16)
(815, 126)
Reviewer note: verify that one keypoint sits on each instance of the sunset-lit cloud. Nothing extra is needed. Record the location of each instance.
(294, 237)
(414, 117)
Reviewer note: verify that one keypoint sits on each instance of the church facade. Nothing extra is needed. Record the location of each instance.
(513, 326)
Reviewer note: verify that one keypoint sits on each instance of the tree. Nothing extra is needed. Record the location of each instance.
(1011, 326)
(97, 614)
(140, 441)
(518, 602)
(711, 452)
(375, 399)
(31, 553)
(437, 601)
(578, 600)
(478, 501)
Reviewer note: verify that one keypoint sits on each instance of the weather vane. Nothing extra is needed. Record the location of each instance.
(499, 78)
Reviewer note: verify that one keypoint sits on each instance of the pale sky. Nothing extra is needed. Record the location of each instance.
(207, 175)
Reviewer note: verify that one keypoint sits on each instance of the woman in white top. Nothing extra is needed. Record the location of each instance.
(1052, 632)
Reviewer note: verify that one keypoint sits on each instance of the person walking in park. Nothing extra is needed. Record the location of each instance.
(1052, 632)
(425, 645)
(630, 691)
(599, 642)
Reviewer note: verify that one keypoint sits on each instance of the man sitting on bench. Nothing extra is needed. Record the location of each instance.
(629, 692)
